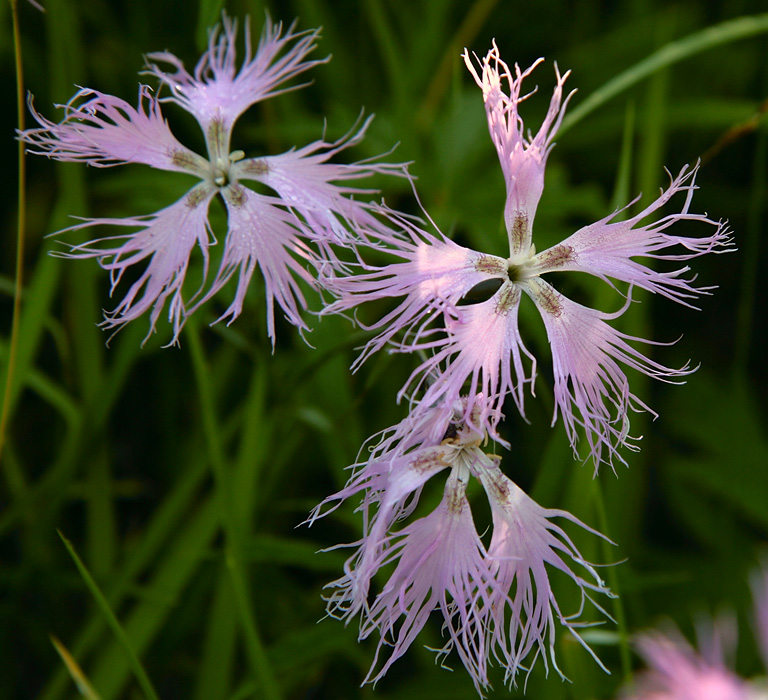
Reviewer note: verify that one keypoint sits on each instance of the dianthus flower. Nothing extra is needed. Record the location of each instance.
(677, 671)
(495, 599)
(285, 233)
(478, 348)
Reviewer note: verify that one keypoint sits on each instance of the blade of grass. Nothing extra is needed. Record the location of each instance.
(622, 185)
(113, 622)
(214, 677)
(208, 14)
(385, 36)
(619, 613)
(470, 26)
(253, 447)
(85, 688)
(749, 243)
(231, 524)
(254, 424)
(671, 53)
(168, 520)
(20, 229)
(49, 491)
(159, 598)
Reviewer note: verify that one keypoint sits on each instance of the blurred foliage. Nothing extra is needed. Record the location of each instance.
(180, 475)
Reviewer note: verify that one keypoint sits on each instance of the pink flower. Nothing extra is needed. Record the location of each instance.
(285, 234)
(676, 671)
(400, 461)
(477, 347)
(495, 599)
(760, 598)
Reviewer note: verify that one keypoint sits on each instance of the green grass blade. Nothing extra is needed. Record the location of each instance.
(473, 21)
(386, 39)
(749, 243)
(214, 677)
(671, 53)
(174, 571)
(225, 498)
(208, 14)
(163, 527)
(622, 186)
(80, 679)
(113, 622)
(13, 343)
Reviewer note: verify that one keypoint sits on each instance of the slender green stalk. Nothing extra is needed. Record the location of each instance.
(234, 559)
(470, 26)
(749, 243)
(671, 53)
(83, 685)
(208, 14)
(385, 36)
(21, 221)
(613, 583)
(117, 629)
(169, 519)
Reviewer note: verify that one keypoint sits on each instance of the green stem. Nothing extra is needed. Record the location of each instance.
(112, 621)
(234, 559)
(21, 222)
(613, 582)
(671, 53)
(469, 28)
(749, 244)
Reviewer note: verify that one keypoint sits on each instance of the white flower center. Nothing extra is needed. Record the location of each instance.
(221, 168)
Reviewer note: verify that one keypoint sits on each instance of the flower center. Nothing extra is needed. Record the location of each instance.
(519, 267)
(221, 167)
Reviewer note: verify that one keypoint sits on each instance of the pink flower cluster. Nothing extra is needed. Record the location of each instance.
(494, 592)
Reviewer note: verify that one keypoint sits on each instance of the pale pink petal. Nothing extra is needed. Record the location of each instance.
(525, 545)
(483, 346)
(607, 249)
(260, 232)
(435, 275)
(392, 487)
(431, 426)
(760, 601)
(219, 91)
(523, 158)
(400, 460)
(167, 239)
(312, 186)
(440, 565)
(103, 131)
(591, 389)
(677, 672)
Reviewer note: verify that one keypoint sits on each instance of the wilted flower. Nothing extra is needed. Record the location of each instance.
(480, 343)
(495, 599)
(285, 233)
